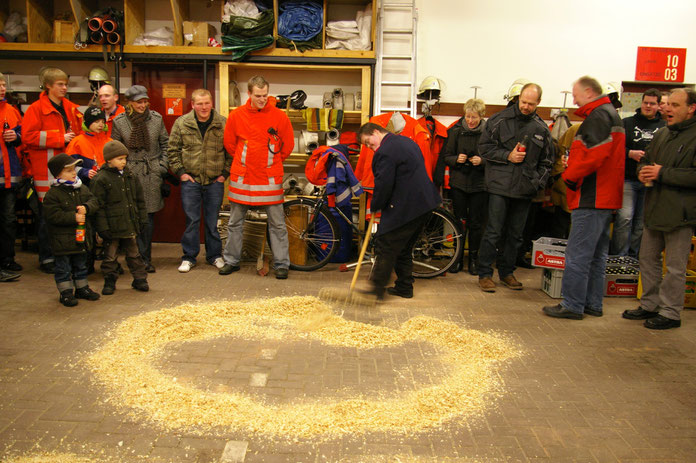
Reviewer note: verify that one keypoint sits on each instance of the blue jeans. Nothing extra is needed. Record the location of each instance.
(503, 213)
(586, 259)
(192, 195)
(69, 268)
(628, 223)
(276, 229)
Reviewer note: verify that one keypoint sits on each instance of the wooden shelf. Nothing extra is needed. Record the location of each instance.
(296, 116)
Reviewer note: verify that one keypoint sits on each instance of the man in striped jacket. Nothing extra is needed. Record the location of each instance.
(259, 137)
(48, 127)
(594, 178)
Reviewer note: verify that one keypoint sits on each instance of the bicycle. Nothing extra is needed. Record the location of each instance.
(314, 237)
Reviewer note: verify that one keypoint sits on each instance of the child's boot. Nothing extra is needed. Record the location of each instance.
(67, 298)
(86, 293)
(140, 284)
(109, 285)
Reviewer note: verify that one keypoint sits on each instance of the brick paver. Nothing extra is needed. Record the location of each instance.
(598, 390)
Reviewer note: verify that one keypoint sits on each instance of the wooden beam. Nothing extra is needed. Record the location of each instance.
(180, 13)
(455, 109)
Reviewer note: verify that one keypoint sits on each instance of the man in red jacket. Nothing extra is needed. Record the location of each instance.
(594, 178)
(259, 137)
(48, 127)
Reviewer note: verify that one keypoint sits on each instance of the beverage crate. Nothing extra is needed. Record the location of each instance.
(621, 280)
(623, 261)
(549, 253)
(690, 290)
(692, 256)
(551, 282)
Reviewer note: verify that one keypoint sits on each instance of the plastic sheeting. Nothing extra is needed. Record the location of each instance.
(241, 26)
(244, 8)
(300, 20)
(239, 47)
(163, 36)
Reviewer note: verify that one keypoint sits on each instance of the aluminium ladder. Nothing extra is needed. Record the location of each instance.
(396, 57)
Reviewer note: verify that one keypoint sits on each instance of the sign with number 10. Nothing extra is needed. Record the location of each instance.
(660, 64)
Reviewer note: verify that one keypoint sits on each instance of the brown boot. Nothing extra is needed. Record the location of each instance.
(511, 282)
(487, 284)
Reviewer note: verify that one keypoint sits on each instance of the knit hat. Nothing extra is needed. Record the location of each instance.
(93, 114)
(114, 149)
(136, 92)
(57, 163)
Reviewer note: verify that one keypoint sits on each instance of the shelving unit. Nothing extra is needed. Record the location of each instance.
(313, 79)
(40, 15)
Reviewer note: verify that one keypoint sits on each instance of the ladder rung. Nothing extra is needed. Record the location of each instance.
(395, 109)
(397, 31)
(406, 57)
(395, 83)
(397, 6)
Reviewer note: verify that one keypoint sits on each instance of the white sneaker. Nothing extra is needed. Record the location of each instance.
(219, 263)
(186, 266)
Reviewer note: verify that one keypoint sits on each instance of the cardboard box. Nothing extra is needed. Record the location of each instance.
(621, 280)
(64, 32)
(549, 253)
(197, 33)
(551, 282)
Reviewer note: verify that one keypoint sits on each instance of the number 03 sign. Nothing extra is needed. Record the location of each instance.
(660, 64)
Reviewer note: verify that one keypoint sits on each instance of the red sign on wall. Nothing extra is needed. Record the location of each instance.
(660, 64)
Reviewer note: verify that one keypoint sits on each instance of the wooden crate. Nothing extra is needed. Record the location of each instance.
(64, 32)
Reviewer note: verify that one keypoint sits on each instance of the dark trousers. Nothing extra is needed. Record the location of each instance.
(69, 269)
(510, 215)
(45, 252)
(136, 265)
(394, 252)
(145, 239)
(8, 224)
(471, 207)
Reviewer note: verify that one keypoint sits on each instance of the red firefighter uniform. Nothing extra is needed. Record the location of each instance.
(43, 134)
(259, 140)
(110, 119)
(89, 147)
(10, 167)
(438, 136)
(411, 130)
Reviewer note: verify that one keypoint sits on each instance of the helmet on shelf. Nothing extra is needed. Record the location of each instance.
(430, 88)
(516, 88)
(613, 90)
(97, 77)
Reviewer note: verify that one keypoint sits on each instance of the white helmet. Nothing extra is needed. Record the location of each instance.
(613, 90)
(516, 88)
(430, 88)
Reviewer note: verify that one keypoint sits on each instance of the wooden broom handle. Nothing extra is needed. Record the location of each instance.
(363, 250)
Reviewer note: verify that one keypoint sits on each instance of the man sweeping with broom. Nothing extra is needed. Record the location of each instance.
(405, 196)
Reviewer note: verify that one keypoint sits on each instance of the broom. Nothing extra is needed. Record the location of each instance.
(334, 295)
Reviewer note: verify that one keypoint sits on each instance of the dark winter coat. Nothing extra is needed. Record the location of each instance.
(60, 206)
(500, 136)
(671, 202)
(461, 139)
(122, 210)
(639, 133)
(403, 191)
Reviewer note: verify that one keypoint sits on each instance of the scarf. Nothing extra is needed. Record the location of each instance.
(59, 181)
(140, 138)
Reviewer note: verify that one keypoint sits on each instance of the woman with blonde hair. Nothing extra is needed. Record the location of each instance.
(467, 188)
(142, 131)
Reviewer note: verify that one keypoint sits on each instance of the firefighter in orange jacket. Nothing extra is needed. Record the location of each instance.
(49, 126)
(259, 136)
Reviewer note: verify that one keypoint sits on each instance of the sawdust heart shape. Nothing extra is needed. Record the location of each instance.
(125, 366)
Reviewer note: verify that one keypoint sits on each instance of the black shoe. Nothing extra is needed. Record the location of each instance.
(48, 267)
(661, 323)
(281, 274)
(120, 269)
(472, 265)
(394, 291)
(558, 311)
(86, 293)
(12, 266)
(523, 262)
(150, 268)
(455, 268)
(228, 268)
(638, 314)
(593, 312)
(67, 298)
(6, 275)
(140, 284)
(109, 286)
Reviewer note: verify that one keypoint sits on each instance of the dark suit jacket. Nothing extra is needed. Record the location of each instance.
(403, 191)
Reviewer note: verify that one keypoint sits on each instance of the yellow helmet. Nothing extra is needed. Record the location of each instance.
(516, 88)
(430, 88)
(97, 77)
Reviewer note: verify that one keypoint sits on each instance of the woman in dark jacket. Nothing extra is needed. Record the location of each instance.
(467, 189)
(142, 131)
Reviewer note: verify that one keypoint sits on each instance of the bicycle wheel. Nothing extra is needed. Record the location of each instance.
(439, 245)
(313, 234)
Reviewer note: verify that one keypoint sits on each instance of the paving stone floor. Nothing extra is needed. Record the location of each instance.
(597, 390)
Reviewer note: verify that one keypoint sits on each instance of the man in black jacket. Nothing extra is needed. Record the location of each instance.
(519, 153)
(405, 195)
(640, 129)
